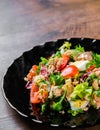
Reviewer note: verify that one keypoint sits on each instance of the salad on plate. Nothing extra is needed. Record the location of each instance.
(67, 82)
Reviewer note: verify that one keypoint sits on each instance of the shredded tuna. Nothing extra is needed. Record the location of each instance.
(85, 56)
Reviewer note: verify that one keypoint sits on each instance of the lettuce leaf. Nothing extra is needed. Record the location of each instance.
(81, 90)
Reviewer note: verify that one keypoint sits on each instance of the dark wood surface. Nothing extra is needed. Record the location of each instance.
(26, 23)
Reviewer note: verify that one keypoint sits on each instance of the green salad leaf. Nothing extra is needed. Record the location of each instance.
(44, 106)
(58, 54)
(57, 106)
(44, 60)
(79, 48)
(81, 90)
(56, 79)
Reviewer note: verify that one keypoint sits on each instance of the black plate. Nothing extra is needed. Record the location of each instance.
(18, 97)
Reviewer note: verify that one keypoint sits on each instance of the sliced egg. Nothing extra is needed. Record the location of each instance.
(81, 65)
(78, 104)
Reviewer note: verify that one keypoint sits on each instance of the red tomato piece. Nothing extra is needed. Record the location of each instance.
(35, 98)
(69, 71)
(90, 68)
(38, 95)
(34, 88)
(32, 72)
(64, 61)
(33, 94)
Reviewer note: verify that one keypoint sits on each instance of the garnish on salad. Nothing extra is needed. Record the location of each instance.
(67, 81)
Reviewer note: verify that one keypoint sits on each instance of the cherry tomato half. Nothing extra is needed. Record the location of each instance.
(69, 71)
(64, 61)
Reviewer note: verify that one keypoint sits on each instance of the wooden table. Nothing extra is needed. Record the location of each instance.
(26, 23)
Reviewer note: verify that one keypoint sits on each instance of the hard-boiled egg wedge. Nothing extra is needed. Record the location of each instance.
(78, 104)
(81, 65)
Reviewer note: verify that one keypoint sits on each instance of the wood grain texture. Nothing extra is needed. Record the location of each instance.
(26, 23)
